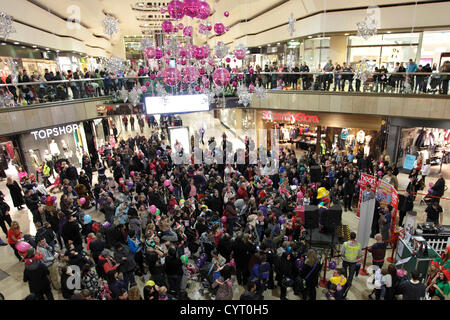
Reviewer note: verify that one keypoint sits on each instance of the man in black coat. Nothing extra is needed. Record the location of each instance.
(123, 256)
(439, 187)
(37, 276)
(32, 202)
(349, 191)
(72, 174)
(71, 233)
(215, 203)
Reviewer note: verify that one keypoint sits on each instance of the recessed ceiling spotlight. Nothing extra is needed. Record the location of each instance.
(347, 34)
(309, 37)
(389, 31)
(3, 44)
(16, 42)
(259, 47)
(268, 45)
(34, 46)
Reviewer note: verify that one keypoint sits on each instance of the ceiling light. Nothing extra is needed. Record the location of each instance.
(57, 50)
(34, 46)
(268, 45)
(47, 49)
(346, 34)
(36, 49)
(278, 43)
(259, 46)
(16, 42)
(309, 37)
(389, 31)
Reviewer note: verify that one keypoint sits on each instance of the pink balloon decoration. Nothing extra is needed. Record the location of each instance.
(227, 29)
(183, 62)
(219, 28)
(226, 14)
(240, 76)
(211, 62)
(150, 52)
(176, 9)
(197, 88)
(299, 195)
(198, 53)
(187, 31)
(175, 30)
(221, 77)
(167, 183)
(152, 208)
(158, 53)
(22, 246)
(239, 54)
(152, 76)
(82, 201)
(132, 173)
(209, 27)
(171, 188)
(163, 10)
(147, 84)
(233, 70)
(234, 83)
(206, 51)
(190, 74)
(191, 8)
(251, 71)
(180, 26)
(144, 89)
(172, 76)
(228, 60)
(251, 87)
(204, 10)
(167, 26)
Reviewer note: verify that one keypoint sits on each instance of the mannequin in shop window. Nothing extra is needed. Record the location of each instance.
(35, 161)
(54, 150)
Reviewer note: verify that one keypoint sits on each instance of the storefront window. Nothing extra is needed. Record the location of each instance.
(317, 52)
(435, 48)
(385, 49)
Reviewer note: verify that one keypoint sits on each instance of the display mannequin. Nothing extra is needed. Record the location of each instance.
(360, 137)
(48, 160)
(54, 149)
(34, 159)
(67, 153)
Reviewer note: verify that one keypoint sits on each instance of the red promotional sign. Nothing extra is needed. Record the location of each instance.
(365, 180)
(394, 204)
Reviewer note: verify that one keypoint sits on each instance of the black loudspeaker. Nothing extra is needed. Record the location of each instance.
(178, 123)
(311, 217)
(332, 217)
(315, 174)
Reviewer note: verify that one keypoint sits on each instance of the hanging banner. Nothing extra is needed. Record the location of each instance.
(408, 164)
(365, 180)
(387, 193)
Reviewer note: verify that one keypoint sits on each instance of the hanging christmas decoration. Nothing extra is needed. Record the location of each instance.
(111, 25)
(6, 27)
(368, 27)
(363, 72)
(290, 59)
(240, 51)
(123, 94)
(221, 50)
(134, 96)
(13, 70)
(245, 97)
(114, 64)
(291, 24)
(260, 92)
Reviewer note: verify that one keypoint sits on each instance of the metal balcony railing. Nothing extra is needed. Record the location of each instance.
(42, 92)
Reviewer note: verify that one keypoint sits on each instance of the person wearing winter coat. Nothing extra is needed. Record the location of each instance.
(16, 193)
(123, 255)
(49, 258)
(224, 285)
(37, 276)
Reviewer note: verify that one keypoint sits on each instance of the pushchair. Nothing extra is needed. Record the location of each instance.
(434, 82)
(209, 273)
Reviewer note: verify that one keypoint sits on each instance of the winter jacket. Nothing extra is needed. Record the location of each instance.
(127, 265)
(36, 274)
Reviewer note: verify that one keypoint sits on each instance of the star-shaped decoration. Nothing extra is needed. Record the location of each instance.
(291, 24)
(123, 94)
(111, 25)
(114, 64)
(6, 26)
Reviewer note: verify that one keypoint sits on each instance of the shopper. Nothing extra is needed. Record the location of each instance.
(14, 236)
(351, 254)
(413, 289)
(378, 250)
(16, 193)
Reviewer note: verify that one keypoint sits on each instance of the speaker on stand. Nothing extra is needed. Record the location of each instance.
(331, 219)
(311, 220)
(316, 173)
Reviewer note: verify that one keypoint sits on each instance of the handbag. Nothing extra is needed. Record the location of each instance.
(309, 274)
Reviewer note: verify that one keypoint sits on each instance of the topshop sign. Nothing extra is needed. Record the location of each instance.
(54, 132)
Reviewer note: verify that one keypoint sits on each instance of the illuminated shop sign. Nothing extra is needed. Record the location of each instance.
(289, 117)
(54, 132)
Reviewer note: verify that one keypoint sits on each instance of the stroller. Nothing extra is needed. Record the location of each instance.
(434, 82)
(209, 273)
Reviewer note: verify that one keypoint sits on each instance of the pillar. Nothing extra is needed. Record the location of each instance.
(393, 140)
(338, 49)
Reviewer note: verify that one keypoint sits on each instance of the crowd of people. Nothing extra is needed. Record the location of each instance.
(223, 225)
(271, 77)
